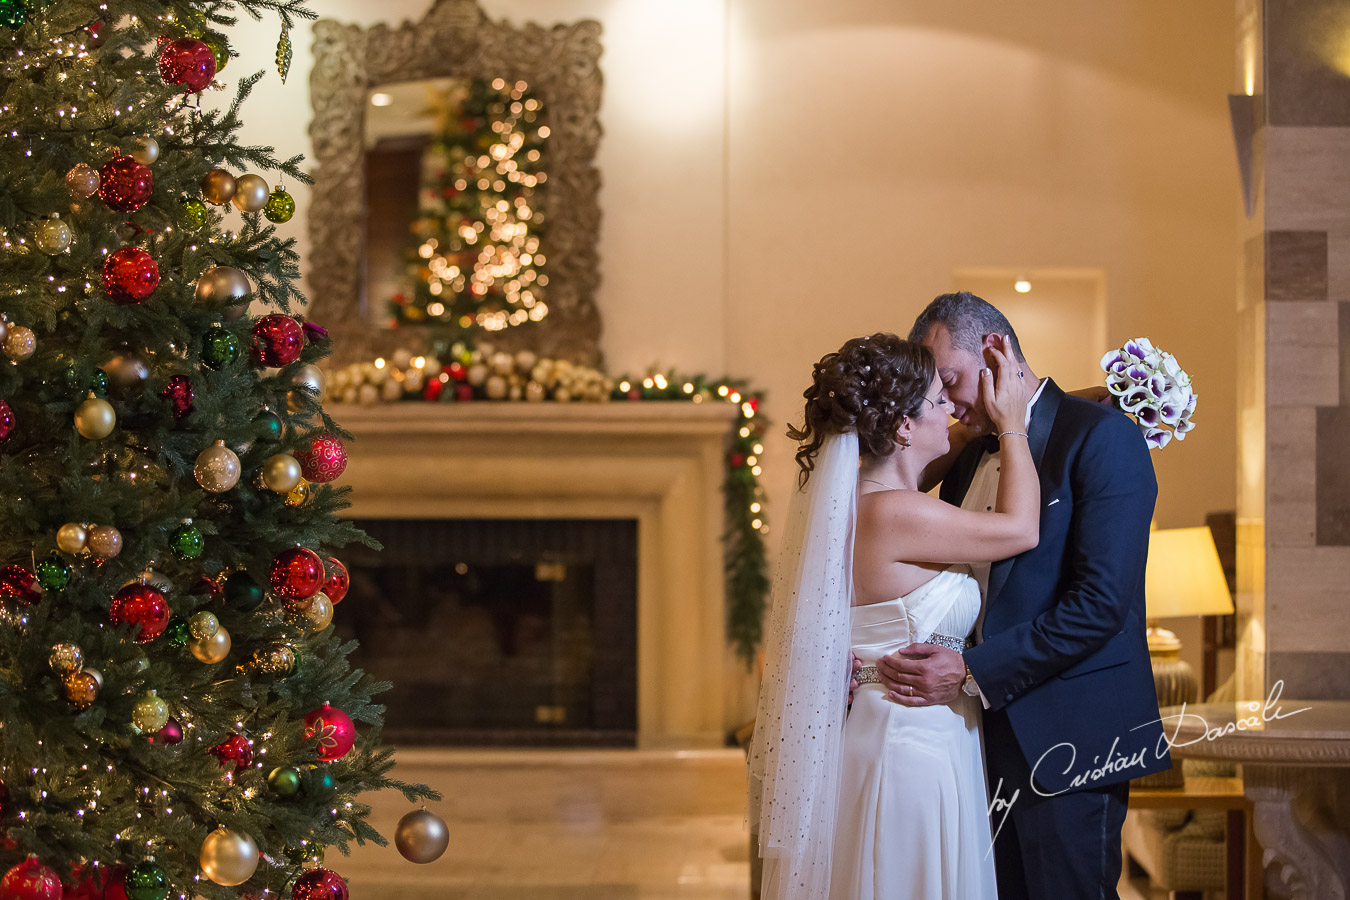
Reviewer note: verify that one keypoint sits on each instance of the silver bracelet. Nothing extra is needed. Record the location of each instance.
(1022, 433)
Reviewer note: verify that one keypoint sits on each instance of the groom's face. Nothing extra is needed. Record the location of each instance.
(960, 374)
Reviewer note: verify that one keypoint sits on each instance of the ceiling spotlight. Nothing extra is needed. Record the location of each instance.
(1022, 286)
(380, 98)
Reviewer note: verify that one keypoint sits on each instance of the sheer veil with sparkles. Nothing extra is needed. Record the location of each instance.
(795, 755)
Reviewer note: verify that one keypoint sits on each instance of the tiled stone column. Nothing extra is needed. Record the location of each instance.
(1294, 353)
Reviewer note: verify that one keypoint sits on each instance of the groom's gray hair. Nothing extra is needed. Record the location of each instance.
(967, 319)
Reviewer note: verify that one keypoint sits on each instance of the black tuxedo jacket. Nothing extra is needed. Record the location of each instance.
(1063, 653)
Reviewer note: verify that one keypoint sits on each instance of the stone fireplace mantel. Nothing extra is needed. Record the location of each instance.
(661, 464)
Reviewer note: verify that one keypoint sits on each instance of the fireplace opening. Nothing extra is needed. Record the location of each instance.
(499, 632)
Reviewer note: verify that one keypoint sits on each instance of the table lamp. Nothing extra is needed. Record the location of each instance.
(1184, 578)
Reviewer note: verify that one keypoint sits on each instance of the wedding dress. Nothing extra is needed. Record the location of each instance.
(913, 820)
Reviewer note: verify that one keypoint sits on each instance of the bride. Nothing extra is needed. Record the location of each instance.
(893, 803)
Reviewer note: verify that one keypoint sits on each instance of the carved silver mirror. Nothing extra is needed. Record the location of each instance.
(456, 192)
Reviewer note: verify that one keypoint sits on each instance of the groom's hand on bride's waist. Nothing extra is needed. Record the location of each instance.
(922, 675)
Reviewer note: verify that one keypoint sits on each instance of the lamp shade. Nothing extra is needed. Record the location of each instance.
(1184, 576)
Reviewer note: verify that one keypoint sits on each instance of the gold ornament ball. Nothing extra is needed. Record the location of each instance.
(223, 284)
(421, 836)
(309, 378)
(53, 236)
(20, 343)
(281, 473)
(250, 193)
(497, 387)
(299, 495)
(66, 658)
(203, 625)
(319, 612)
(218, 187)
(535, 392)
(146, 152)
(95, 418)
(105, 541)
(72, 537)
(96, 675)
(81, 689)
(149, 713)
(82, 180)
(213, 649)
(217, 468)
(229, 857)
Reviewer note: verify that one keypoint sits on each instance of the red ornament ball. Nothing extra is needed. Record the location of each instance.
(277, 340)
(187, 62)
(432, 390)
(130, 275)
(296, 574)
(334, 730)
(142, 605)
(324, 460)
(17, 583)
(464, 393)
(234, 749)
(116, 886)
(319, 884)
(336, 581)
(125, 184)
(457, 371)
(178, 391)
(6, 420)
(30, 880)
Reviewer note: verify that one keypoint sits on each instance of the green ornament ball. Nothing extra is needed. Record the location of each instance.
(53, 573)
(242, 592)
(177, 632)
(284, 782)
(219, 347)
(13, 13)
(194, 212)
(220, 51)
(269, 426)
(280, 206)
(187, 541)
(146, 881)
(98, 383)
(318, 783)
(304, 853)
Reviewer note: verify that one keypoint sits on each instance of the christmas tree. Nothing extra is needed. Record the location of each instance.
(477, 265)
(176, 716)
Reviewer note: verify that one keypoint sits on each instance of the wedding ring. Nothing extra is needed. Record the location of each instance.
(909, 691)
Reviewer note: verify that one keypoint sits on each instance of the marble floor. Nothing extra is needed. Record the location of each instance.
(567, 825)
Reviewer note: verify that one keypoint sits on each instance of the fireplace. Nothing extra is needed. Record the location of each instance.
(499, 631)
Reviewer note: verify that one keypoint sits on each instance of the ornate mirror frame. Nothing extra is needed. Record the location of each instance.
(455, 39)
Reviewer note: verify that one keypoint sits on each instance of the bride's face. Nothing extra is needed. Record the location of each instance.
(928, 433)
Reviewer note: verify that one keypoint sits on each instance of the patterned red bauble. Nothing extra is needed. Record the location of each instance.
(187, 62)
(335, 580)
(130, 275)
(324, 460)
(125, 184)
(30, 880)
(335, 732)
(319, 884)
(6, 420)
(142, 605)
(277, 340)
(234, 749)
(178, 391)
(17, 583)
(296, 574)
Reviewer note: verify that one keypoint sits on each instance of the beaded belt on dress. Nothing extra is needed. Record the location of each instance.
(869, 674)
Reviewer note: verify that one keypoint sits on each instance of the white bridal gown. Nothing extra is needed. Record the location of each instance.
(913, 819)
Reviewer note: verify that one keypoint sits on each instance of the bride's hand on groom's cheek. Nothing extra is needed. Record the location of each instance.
(922, 675)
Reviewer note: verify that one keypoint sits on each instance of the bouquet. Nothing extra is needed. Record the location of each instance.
(1150, 385)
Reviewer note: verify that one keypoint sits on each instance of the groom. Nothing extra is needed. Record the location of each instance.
(1060, 662)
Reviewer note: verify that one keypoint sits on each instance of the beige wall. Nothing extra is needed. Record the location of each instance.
(780, 176)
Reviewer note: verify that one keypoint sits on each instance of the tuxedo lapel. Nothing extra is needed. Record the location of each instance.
(963, 473)
(1042, 420)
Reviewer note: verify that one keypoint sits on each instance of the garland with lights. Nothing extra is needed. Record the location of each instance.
(475, 375)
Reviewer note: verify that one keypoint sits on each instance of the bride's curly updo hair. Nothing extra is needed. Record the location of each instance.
(869, 386)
